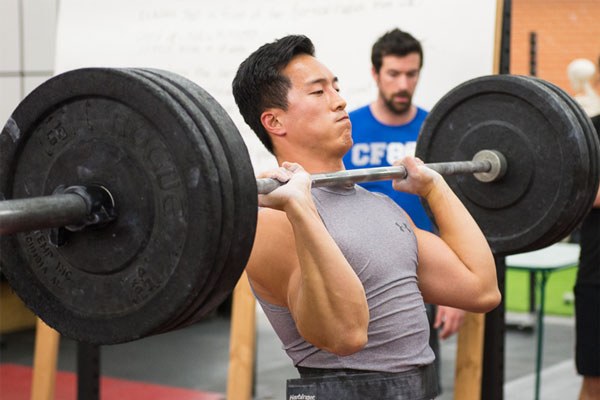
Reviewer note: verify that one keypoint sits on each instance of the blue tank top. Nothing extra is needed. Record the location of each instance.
(375, 237)
(379, 145)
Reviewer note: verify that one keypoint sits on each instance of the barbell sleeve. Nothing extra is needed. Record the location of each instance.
(20, 215)
(486, 165)
(73, 207)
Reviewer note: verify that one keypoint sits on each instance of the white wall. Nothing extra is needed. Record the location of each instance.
(27, 47)
(206, 40)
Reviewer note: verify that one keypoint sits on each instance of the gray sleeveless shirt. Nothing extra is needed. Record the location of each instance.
(375, 237)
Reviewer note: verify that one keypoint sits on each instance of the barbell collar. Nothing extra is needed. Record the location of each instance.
(487, 166)
(497, 162)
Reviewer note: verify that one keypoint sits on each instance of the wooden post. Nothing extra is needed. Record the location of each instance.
(14, 315)
(467, 378)
(44, 362)
(498, 36)
(242, 342)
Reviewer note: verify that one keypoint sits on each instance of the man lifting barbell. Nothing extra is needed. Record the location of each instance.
(342, 273)
(129, 204)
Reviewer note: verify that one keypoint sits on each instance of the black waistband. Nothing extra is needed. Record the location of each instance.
(307, 371)
(352, 384)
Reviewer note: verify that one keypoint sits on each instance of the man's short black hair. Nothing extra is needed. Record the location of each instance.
(259, 83)
(396, 43)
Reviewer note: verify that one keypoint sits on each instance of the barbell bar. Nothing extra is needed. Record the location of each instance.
(72, 208)
(41, 212)
(486, 166)
(162, 197)
(79, 206)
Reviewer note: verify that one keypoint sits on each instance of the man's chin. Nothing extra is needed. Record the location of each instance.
(399, 108)
(347, 143)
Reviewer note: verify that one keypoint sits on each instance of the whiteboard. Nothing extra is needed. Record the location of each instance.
(206, 41)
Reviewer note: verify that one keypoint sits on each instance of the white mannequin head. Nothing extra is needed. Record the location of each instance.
(580, 71)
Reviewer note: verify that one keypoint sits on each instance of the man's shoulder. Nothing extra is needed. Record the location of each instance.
(272, 224)
(421, 113)
(418, 119)
(271, 219)
(360, 111)
(269, 267)
(364, 114)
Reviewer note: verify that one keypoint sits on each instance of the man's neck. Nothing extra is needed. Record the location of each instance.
(383, 114)
(313, 165)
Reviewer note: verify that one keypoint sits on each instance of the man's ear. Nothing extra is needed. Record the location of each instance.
(272, 122)
(374, 73)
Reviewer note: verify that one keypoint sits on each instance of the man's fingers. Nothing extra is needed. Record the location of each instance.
(293, 167)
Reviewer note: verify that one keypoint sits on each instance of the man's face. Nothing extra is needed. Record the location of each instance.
(316, 117)
(397, 80)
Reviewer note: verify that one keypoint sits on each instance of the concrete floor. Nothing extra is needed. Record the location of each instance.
(196, 357)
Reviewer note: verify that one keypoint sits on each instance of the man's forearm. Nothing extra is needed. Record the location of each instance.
(461, 233)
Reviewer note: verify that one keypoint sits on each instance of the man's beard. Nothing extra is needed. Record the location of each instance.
(398, 109)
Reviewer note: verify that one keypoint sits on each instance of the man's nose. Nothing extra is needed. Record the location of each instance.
(339, 103)
(402, 82)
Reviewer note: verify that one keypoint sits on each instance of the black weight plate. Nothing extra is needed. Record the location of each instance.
(589, 191)
(245, 192)
(571, 212)
(121, 282)
(542, 145)
(221, 162)
(594, 151)
(581, 201)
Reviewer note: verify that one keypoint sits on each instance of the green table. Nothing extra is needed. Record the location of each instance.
(542, 263)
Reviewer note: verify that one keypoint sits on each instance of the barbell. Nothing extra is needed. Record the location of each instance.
(78, 207)
(130, 202)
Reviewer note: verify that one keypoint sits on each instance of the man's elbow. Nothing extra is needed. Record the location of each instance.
(349, 342)
(347, 339)
(488, 301)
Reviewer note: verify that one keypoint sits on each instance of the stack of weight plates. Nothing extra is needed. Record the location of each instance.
(184, 190)
(552, 162)
(594, 150)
